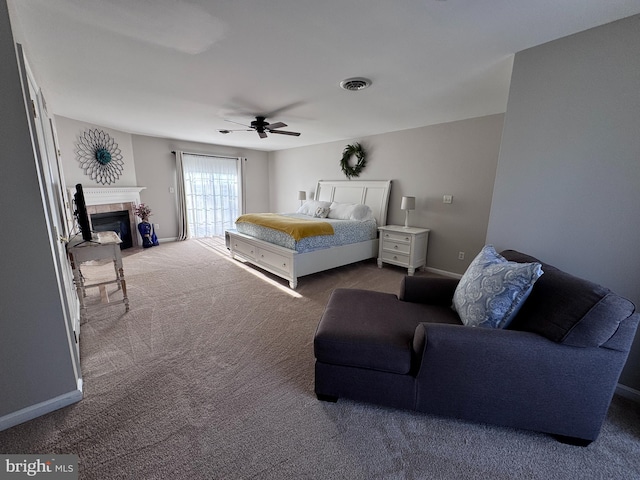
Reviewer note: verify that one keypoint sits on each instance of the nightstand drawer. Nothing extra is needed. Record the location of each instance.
(392, 246)
(395, 258)
(396, 237)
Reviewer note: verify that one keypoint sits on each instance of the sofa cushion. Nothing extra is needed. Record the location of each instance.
(492, 290)
(367, 329)
(568, 309)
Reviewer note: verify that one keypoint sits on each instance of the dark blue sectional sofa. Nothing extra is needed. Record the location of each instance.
(554, 369)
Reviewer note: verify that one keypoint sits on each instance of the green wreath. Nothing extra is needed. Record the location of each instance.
(349, 151)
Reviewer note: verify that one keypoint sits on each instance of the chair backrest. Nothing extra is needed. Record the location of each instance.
(568, 309)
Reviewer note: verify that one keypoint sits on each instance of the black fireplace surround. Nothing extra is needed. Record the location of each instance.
(114, 222)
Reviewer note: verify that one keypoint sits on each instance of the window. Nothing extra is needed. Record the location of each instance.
(212, 191)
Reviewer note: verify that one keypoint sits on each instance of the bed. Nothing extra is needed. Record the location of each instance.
(291, 259)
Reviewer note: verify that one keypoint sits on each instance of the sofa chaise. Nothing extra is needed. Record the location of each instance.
(553, 369)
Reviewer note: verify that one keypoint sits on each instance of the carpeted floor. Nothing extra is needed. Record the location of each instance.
(210, 376)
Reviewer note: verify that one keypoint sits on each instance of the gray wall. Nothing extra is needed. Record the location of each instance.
(35, 360)
(457, 158)
(568, 181)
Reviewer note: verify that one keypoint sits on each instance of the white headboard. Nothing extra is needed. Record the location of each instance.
(374, 193)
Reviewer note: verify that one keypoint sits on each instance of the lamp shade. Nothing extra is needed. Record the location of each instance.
(408, 203)
(302, 195)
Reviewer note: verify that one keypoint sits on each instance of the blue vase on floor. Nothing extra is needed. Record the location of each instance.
(148, 235)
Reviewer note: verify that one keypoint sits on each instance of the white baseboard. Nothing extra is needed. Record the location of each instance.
(628, 392)
(42, 408)
(444, 273)
(169, 239)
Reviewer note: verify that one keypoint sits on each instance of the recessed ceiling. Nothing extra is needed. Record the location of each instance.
(181, 69)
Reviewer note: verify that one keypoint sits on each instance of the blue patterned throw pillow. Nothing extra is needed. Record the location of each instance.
(492, 290)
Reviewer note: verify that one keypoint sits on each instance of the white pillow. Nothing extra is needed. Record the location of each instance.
(350, 211)
(362, 212)
(311, 206)
(340, 211)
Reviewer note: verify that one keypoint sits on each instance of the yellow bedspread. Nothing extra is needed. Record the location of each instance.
(296, 227)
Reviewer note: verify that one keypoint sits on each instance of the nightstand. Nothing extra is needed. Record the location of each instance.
(405, 247)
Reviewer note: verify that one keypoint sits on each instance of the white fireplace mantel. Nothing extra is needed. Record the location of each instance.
(107, 195)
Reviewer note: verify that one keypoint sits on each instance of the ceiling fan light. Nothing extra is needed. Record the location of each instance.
(354, 84)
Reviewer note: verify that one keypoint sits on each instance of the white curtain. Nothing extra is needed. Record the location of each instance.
(210, 194)
(183, 226)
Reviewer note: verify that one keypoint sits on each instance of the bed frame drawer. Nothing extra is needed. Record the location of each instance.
(243, 248)
(274, 260)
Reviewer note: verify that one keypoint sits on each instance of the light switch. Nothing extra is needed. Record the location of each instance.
(447, 199)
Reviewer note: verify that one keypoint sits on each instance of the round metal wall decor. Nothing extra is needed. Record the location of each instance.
(99, 156)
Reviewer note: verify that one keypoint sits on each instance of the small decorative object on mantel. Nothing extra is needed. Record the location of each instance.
(147, 232)
(349, 151)
(99, 156)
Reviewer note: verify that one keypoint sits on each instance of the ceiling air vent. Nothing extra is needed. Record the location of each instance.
(355, 84)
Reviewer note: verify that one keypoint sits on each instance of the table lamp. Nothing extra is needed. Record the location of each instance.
(408, 203)
(302, 196)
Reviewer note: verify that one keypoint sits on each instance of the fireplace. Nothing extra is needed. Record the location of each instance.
(119, 216)
(118, 222)
(105, 202)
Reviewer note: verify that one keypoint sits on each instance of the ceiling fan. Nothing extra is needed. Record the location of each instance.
(263, 127)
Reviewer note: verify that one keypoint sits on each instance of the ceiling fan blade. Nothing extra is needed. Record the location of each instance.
(284, 132)
(284, 108)
(226, 130)
(271, 126)
(237, 123)
(262, 134)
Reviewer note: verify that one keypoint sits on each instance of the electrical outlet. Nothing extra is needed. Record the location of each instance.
(460, 255)
(447, 199)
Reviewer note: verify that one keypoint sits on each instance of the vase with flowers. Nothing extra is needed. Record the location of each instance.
(145, 228)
